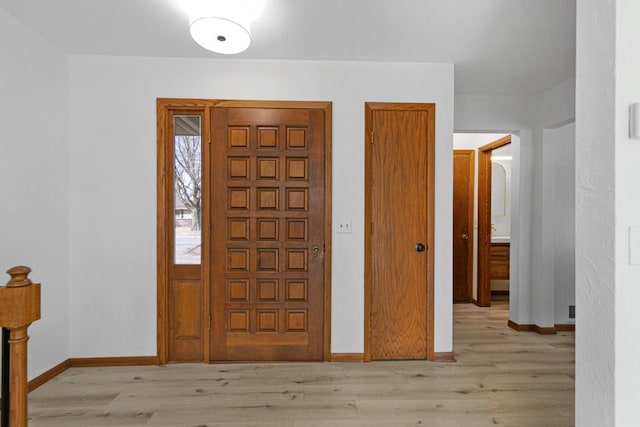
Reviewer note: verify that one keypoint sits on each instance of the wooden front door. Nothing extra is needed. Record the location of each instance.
(463, 197)
(267, 234)
(399, 211)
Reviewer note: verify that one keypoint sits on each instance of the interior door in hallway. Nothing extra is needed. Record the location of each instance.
(463, 198)
(267, 234)
(399, 211)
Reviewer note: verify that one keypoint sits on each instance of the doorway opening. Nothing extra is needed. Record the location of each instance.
(488, 185)
(500, 228)
(493, 200)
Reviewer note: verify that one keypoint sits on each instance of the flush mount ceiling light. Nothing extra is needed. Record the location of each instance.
(222, 26)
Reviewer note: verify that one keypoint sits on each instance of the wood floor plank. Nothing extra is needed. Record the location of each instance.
(501, 378)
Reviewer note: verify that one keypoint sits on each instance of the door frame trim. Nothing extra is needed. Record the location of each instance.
(165, 107)
(430, 108)
(484, 219)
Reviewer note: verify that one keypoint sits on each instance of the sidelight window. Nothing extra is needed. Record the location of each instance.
(187, 189)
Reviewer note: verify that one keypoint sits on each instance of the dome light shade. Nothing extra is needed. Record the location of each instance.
(220, 35)
(223, 26)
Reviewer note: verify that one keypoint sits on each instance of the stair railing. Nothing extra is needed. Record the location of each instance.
(19, 307)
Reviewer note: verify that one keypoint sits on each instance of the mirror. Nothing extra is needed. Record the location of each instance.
(498, 189)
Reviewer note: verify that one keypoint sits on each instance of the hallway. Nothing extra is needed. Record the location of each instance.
(501, 377)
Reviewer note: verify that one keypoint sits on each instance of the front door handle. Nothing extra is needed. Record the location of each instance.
(420, 247)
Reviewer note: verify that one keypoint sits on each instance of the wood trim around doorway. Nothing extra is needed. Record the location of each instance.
(430, 304)
(484, 219)
(165, 108)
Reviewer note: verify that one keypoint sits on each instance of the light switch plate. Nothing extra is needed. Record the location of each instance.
(344, 226)
(634, 245)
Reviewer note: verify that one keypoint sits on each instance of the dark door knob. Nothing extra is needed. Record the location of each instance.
(420, 247)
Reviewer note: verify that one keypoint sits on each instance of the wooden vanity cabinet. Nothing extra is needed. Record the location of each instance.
(499, 269)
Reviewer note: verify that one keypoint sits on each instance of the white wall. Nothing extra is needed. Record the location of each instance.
(627, 212)
(559, 221)
(113, 170)
(34, 180)
(595, 218)
(555, 108)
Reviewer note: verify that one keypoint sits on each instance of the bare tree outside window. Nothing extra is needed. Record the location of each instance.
(187, 178)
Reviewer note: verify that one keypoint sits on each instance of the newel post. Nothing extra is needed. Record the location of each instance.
(19, 307)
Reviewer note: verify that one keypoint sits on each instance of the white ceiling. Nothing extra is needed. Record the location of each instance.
(498, 46)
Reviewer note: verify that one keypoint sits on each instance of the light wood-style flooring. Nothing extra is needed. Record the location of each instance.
(501, 378)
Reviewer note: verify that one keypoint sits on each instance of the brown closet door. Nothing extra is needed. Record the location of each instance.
(399, 233)
(267, 239)
(463, 198)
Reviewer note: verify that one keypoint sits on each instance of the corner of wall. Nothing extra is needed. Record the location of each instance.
(35, 224)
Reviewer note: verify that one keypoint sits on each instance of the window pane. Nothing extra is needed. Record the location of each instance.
(187, 180)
